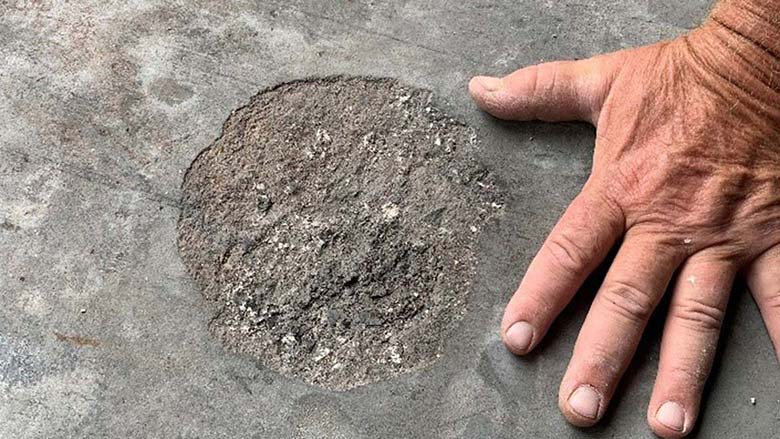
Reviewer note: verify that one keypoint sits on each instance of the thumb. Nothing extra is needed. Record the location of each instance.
(551, 92)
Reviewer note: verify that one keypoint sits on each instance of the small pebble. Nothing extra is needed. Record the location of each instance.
(82, 310)
(752, 401)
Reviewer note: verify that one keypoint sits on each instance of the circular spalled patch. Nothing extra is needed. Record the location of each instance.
(334, 224)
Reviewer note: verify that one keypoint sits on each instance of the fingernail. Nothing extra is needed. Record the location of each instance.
(585, 401)
(519, 336)
(671, 415)
(490, 83)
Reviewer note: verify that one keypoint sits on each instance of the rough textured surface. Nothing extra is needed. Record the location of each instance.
(105, 104)
(333, 224)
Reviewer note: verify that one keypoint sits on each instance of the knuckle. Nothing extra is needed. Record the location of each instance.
(550, 79)
(693, 374)
(602, 360)
(629, 301)
(532, 77)
(566, 253)
(771, 300)
(698, 314)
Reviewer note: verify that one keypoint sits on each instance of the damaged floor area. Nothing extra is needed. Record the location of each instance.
(334, 223)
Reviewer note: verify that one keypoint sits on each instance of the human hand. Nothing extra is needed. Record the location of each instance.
(686, 171)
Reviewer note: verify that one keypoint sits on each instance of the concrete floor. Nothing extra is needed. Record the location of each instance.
(105, 104)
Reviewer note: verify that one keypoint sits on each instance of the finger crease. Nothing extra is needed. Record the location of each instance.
(631, 302)
(700, 315)
(567, 254)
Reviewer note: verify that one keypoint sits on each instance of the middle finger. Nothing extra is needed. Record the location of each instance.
(634, 285)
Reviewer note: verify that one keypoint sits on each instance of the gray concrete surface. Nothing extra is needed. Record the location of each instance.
(105, 104)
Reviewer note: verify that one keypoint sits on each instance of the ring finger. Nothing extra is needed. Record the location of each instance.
(689, 341)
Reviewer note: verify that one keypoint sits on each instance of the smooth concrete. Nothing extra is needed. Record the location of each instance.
(105, 104)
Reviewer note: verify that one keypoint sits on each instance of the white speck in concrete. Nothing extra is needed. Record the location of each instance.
(390, 211)
(368, 139)
(323, 137)
(289, 339)
(320, 354)
(395, 357)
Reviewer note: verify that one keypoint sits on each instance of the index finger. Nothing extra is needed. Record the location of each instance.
(577, 245)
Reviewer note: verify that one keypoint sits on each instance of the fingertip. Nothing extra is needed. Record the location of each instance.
(475, 88)
(583, 407)
(519, 338)
(482, 90)
(668, 420)
(485, 84)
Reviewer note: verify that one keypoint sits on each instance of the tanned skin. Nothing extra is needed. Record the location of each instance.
(685, 180)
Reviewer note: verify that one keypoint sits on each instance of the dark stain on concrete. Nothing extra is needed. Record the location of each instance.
(170, 91)
(11, 227)
(77, 340)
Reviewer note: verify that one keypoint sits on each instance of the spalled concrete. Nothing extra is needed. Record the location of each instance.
(333, 225)
(104, 106)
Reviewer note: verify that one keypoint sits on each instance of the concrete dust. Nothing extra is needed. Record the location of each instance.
(333, 224)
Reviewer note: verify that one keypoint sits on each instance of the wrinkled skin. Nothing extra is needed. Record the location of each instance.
(685, 179)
